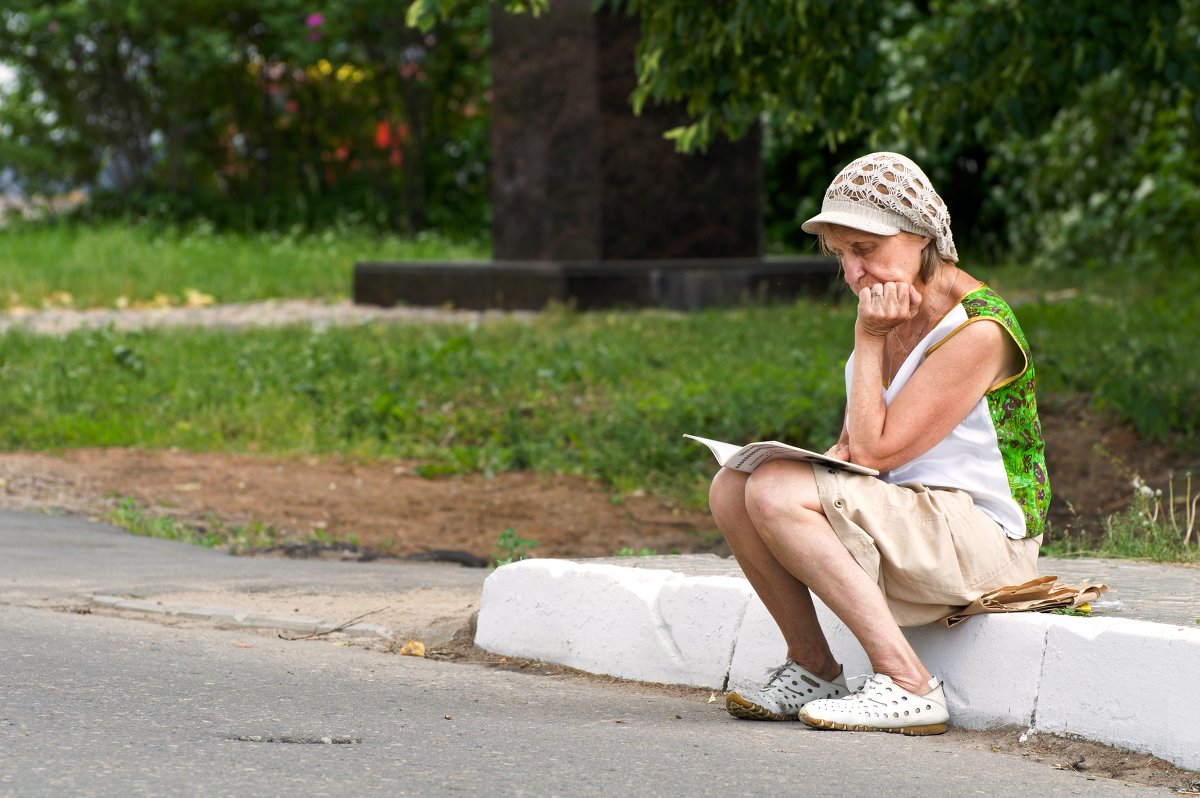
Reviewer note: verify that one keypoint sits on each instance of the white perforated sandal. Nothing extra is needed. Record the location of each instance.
(788, 689)
(882, 705)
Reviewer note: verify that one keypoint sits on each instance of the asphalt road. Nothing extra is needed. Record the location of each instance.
(99, 705)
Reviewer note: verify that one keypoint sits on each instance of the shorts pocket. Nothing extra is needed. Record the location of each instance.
(983, 550)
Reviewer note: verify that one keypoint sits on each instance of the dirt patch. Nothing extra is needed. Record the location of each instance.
(1093, 464)
(383, 505)
(1092, 760)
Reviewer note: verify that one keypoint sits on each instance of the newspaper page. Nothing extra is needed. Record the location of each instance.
(752, 455)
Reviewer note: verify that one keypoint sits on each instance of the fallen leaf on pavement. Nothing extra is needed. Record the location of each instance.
(413, 648)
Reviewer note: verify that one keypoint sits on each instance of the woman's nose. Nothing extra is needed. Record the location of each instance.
(852, 267)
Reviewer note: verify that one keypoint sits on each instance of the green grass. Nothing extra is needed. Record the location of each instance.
(1130, 342)
(604, 395)
(629, 551)
(214, 533)
(107, 265)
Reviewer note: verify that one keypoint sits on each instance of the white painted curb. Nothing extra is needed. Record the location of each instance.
(1127, 683)
(648, 625)
(991, 666)
(759, 648)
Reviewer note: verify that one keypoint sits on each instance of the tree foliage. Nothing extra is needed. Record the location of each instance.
(1061, 132)
(1086, 111)
(250, 111)
(1037, 113)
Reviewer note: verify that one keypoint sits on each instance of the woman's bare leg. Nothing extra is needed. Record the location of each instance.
(785, 597)
(784, 508)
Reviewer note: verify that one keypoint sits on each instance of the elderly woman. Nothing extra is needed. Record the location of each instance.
(940, 400)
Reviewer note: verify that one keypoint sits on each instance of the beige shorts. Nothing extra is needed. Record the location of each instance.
(932, 551)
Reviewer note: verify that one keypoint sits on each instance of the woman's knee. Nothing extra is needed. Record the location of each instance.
(727, 496)
(781, 488)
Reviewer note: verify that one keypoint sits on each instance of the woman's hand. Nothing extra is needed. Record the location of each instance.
(884, 306)
(839, 451)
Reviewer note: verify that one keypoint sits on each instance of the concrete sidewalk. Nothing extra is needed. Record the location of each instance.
(1128, 676)
(71, 563)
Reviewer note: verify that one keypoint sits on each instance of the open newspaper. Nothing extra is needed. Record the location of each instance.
(752, 455)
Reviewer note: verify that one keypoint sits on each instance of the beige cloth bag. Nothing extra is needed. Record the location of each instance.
(1042, 594)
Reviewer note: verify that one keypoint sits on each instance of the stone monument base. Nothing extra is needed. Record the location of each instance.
(681, 284)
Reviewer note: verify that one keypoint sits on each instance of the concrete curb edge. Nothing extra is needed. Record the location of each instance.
(1114, 681)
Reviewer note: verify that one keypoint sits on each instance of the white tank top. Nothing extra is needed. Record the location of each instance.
(969, 457)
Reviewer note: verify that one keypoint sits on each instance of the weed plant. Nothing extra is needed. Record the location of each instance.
(130, 516)
(1153, 527)
(213, 533)
(112, 264)
(511, 547)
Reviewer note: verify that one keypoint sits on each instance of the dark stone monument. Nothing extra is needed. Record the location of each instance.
(577, 176)
(591, 205)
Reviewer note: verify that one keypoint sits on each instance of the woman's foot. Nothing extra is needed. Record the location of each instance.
(882, 705)
(784, 694)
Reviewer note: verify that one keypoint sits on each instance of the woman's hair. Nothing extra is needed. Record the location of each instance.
(931, 260)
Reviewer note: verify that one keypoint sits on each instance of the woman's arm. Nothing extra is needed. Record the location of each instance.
(951, 380)
(841, 449)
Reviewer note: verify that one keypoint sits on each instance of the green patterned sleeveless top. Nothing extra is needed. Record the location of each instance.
(1013, 408)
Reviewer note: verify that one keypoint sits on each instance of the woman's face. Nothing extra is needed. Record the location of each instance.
(869, 259)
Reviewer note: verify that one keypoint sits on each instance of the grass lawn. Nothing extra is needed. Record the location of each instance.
(607, 395)
(115, 264)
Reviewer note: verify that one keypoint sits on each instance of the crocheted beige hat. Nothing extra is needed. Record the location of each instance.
(884, 193)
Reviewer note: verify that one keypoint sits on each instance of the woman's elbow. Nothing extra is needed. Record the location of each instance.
(877, 456)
